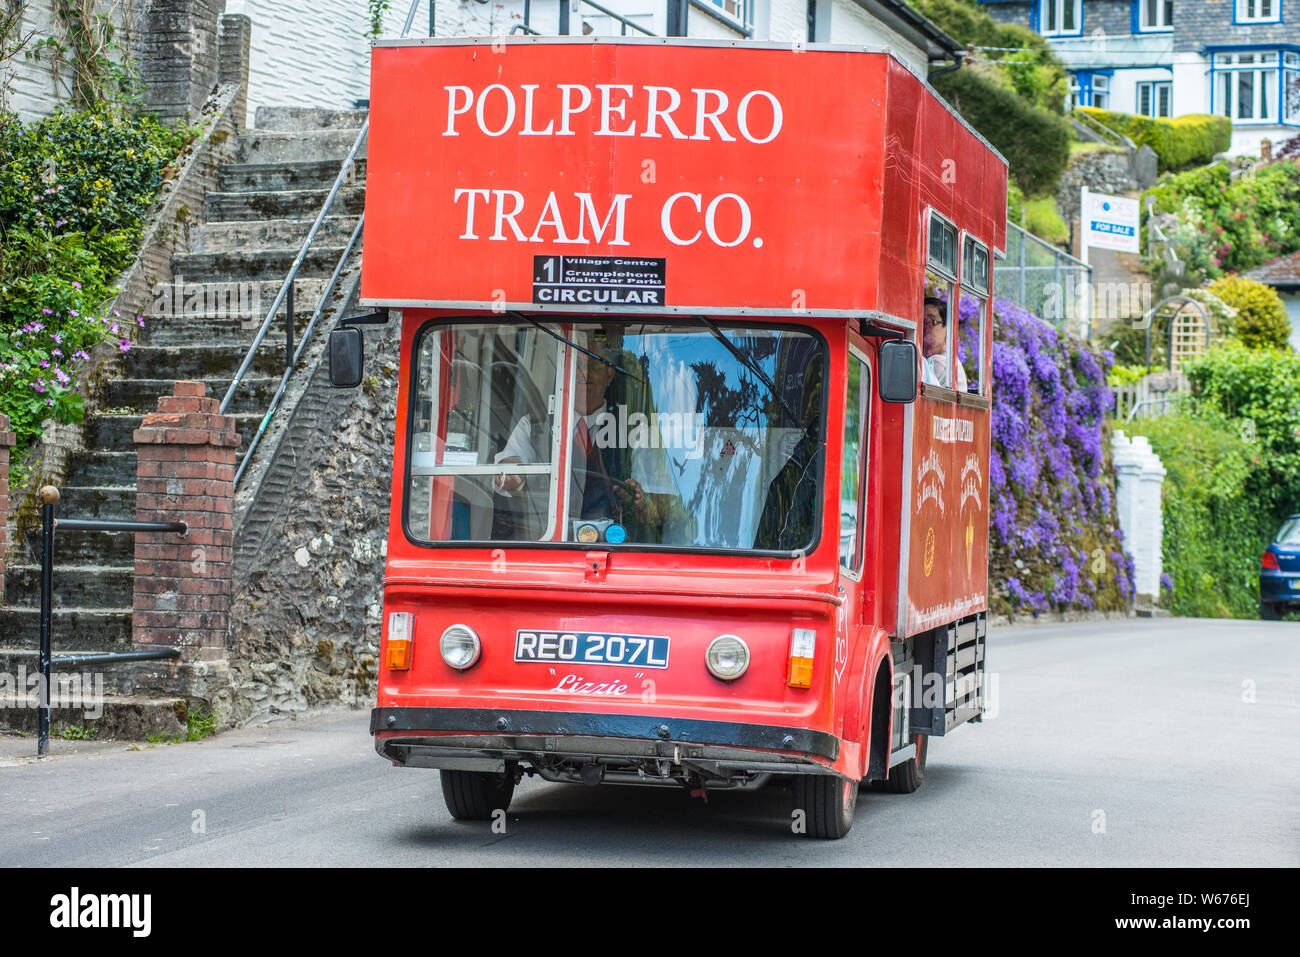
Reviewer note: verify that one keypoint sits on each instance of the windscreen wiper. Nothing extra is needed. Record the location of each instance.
(569, 342)
(752, 365)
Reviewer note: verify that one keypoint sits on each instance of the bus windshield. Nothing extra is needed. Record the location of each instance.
(680, 434)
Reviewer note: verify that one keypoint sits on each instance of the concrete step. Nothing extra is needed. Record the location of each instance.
(258, 177)
(114, 433)
(98, 468)
(121, 717)
(282, 204)
(190, 304)
(76, 547)
(85, 629)
(109, 502)
(297, 119)
(236, 235)
(202, 361)
(236, 333)
(257, 264)
(75, 586)
(254, 395)
(269, 146)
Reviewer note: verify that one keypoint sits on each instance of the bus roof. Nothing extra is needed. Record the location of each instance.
(657, 175)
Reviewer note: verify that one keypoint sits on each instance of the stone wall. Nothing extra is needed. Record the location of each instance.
(6, 442)
(1112, 171)
(310, 548)
(177, 55)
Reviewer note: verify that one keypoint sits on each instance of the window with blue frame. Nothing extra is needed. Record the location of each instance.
(1257, 86)
(1154, 15)
(1257, 11)
(1154, 98)
(1057, 17)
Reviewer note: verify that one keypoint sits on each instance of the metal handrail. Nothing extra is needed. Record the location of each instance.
(619, 17)
(527, 27)
(302, 347)
(1119, 139)
(285, 294)
(49, 497)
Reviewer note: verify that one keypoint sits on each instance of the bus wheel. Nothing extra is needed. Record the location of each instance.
(907, 777)
(827, 802)
(475, 795)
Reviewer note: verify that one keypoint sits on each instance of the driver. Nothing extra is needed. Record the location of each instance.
(597, 487)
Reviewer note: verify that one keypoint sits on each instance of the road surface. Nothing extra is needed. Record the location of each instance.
(1167, 742)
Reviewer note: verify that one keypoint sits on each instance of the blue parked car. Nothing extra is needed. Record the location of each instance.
(1279, 572)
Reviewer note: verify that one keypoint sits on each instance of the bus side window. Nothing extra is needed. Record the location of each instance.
(857, 414)
(972, 309)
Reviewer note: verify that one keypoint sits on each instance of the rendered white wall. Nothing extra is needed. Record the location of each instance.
(1138, 480)
(29, 86)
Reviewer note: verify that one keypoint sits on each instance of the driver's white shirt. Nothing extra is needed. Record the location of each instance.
(520, 445)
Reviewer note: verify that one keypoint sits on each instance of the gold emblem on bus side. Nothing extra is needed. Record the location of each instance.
(970, 540)
(928, 554)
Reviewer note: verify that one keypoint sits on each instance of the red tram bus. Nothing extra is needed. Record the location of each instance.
(690, 479)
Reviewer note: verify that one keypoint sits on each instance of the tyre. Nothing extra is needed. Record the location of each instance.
(475, 795)
(907, 777)
(828, 802)
(1269, 611)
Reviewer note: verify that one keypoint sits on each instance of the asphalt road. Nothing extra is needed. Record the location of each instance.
(1145, 743)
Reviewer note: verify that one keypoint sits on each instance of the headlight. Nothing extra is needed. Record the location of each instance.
(727, 657)
(460, 646)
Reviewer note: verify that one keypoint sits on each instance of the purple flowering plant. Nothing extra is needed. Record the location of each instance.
(1054, 540)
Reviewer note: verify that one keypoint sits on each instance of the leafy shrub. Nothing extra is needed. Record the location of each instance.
(1054, 540)
(75, 189)
(1026, 65)
(1223, 224)
(1191, 140)
(1259, 390)
(1215, 527)
(1261, 320)
(83, 172)
(1035, 142)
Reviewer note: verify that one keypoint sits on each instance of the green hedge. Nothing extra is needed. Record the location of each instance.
(1191, 140)
(1215, 526)
(1035, 142)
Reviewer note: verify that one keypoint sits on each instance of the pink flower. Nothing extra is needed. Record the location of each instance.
(38, 386)
(73, 312)
(48, 312)
(75, 285)
(124, 345)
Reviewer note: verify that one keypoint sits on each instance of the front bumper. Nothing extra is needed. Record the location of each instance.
(470, 738)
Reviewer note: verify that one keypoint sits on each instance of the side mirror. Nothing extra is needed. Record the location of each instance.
(347, 357)
(898, 363)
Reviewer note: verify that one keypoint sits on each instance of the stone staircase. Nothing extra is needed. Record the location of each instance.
(254, 223)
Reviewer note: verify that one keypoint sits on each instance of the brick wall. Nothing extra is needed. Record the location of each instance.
(6, 442)
(186, 473)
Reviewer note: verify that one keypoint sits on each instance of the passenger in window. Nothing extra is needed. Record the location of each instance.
(934, 347)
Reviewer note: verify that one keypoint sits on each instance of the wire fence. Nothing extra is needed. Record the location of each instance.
(1044, 280)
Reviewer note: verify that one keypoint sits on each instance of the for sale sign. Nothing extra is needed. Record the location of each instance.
(1110, 222)
(597, 175)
